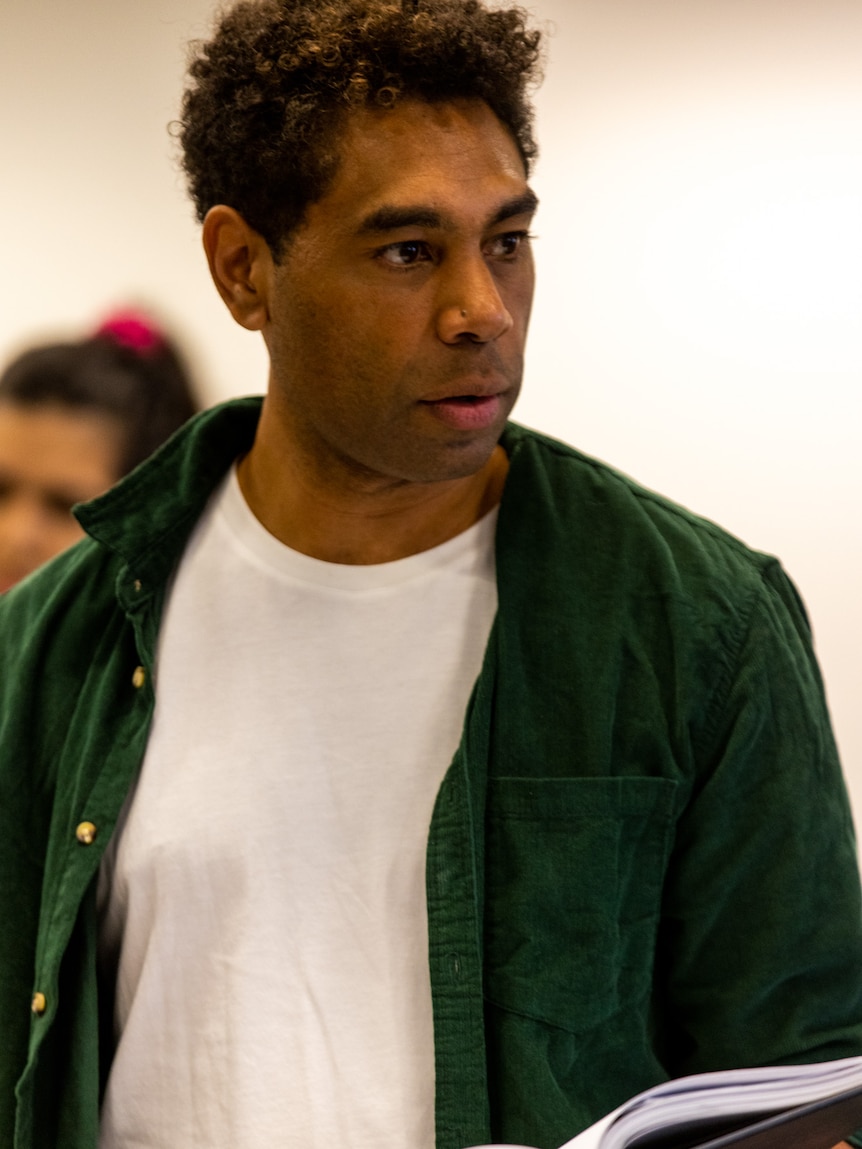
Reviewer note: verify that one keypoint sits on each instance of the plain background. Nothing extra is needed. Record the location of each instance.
(698, 317)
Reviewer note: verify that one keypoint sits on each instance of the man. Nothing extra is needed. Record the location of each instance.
(232, 714)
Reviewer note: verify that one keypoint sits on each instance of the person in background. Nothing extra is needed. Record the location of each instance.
(74, 418)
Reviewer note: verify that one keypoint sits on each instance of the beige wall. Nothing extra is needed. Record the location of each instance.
(700, 250)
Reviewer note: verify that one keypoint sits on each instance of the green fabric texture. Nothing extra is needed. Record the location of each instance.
(641, 862)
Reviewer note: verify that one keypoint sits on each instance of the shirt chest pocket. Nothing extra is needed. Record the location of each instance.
(574, 874)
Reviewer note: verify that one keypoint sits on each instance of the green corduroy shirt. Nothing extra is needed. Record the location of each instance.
(641, 861)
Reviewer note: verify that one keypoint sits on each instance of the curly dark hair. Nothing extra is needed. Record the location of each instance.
(269, 91)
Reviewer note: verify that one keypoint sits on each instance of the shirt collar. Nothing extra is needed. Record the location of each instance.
(147, 517)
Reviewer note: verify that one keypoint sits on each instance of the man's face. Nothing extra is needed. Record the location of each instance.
(398, 315)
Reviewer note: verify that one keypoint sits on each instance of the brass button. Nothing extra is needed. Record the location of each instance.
(139, 677)
(137, 584)
(38, 1004)
(86, 833)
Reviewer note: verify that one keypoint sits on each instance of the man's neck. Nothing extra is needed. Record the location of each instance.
(368, 520)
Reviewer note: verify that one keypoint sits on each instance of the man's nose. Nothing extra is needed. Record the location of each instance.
(472, 308)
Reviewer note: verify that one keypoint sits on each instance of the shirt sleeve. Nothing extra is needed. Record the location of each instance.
(760, 954)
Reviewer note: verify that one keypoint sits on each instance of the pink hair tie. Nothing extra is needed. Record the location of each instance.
(132, 329)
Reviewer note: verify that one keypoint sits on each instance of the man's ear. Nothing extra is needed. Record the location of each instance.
(241, 265)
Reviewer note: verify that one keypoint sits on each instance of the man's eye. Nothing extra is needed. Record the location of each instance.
(508, 245)
(406, 254)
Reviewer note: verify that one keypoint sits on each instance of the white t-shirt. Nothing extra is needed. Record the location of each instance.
(264, 902)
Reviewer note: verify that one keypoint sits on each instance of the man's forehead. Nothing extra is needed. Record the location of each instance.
(418, 153)
(451, 123)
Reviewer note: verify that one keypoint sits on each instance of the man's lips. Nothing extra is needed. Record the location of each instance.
(465, 412)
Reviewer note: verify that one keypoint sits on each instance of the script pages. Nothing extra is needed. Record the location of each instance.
(803, 1106)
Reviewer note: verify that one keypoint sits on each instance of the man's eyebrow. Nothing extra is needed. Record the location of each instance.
(391, 218)
(524, 204)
